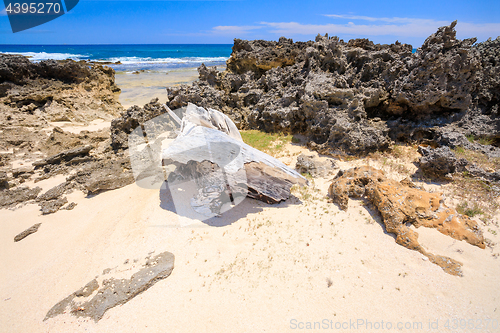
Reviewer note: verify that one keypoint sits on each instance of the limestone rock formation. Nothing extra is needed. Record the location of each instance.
(440, 162)
(356, 97)
(400, 204)
(52, 206)
(11, 197)
(27, 232)
(104, 293)
(314, 166)
(33, 93)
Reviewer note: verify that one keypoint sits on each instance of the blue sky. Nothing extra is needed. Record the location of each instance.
(200, 22)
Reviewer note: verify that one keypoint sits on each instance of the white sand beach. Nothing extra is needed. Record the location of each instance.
(258, 268)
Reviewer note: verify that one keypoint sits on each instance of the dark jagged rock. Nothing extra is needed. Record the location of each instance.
(65, 156)
(443, 163)
(52, 206)
(440, 162)
(488, 95)
(70, 206)
(110, 292)
(24, 172)
(106, 180)
(10, 197)
(54, 192)
(313, 166)
(105, 174)
(457, 139)
(131, 119)
(27, 232)
(448, 80)
(4, 180)
(356, 97)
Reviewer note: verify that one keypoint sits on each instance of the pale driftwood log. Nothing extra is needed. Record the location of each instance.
(209, 153)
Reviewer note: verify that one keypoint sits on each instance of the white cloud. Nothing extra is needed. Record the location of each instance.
(234, 30)
(482, 31)
(404, 20)
(407, 30)
(402, 28)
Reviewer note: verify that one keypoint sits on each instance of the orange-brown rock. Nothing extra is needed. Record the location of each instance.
(401, 203)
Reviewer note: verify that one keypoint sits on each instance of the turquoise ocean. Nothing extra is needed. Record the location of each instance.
(159, 58)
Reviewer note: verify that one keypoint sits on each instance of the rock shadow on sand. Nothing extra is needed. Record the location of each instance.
(240, 211)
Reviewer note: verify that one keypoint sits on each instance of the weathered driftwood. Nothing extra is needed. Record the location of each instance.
(214, 164)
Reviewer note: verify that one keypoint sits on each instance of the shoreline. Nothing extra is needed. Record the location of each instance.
(140, 87)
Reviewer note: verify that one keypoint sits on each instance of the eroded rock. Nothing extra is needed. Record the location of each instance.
(36, 92)
(66, 156)
(104, 174)
(104, 293)
(440, 162)
(358, 96)
(10, 197)
(400, 204)
(4, 180)
(443, 163)
(314, 166)
(54, 192)
(27, 232)
(52, 206)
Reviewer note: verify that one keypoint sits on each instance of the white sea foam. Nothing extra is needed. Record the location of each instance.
(37, 56)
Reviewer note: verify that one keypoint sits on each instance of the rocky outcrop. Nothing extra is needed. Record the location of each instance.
(132, 118)
(358, 96)
(52, 206)
(488, 94)
(440, 78)
(401, 203)
(4, 180)
(106, 292)
(75, 155)
(12, 197)
(32, 93)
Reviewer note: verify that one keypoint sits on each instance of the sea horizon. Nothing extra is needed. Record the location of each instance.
(129, 57)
